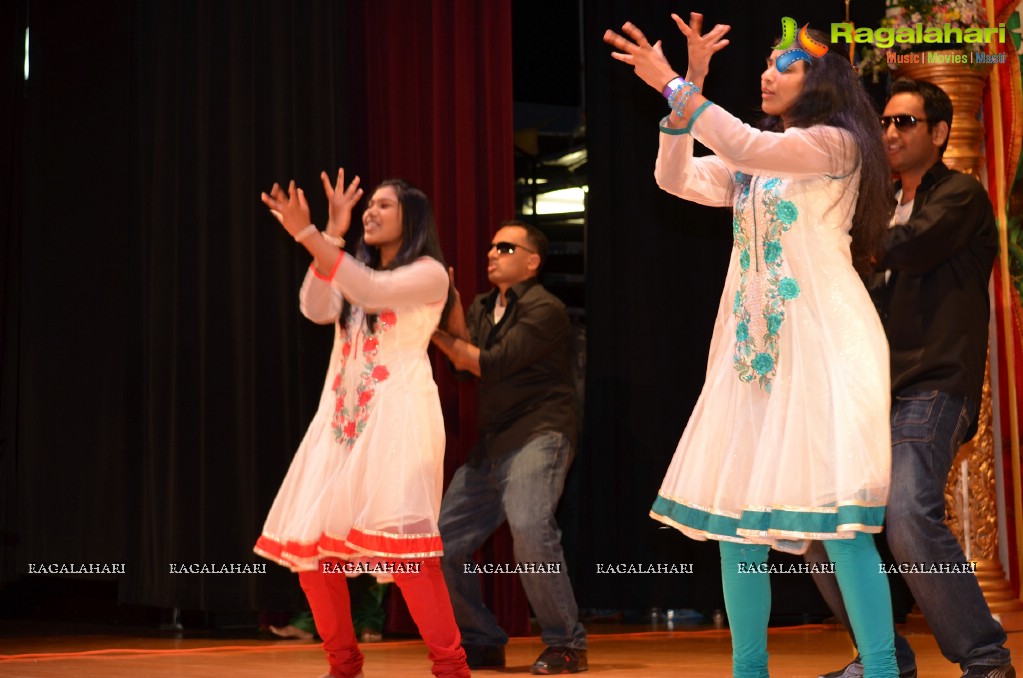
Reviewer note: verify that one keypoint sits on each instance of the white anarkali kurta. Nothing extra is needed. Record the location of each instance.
(366, 481)
(789, 440)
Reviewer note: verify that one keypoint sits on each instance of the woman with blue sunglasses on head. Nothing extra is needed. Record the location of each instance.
(789, 440)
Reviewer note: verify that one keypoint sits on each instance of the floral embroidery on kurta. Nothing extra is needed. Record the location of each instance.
(760, 218)
(350, 416)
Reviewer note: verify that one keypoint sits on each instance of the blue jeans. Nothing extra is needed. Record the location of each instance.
(522, 487)
(927, 429)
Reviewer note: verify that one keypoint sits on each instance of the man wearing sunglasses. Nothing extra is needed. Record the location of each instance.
(517, 340)
(931, 291)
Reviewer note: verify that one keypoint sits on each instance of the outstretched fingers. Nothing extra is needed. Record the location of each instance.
(630, 46)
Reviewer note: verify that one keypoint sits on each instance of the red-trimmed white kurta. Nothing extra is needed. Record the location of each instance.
(366, 481)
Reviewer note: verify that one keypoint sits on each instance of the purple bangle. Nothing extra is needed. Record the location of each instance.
(671, 87)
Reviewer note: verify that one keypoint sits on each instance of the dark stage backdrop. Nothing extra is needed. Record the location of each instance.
(157, 375)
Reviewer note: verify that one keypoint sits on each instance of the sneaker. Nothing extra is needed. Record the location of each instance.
(854, 669)
(557, 659)
(484, 656)
(1004, 671)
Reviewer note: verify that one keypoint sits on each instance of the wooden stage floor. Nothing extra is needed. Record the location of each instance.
(796, 652)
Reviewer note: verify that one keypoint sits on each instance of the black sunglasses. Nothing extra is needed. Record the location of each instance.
(508, 248)
(901, 121)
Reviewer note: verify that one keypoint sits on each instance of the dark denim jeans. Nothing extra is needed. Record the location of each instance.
(927, 429)
(523, 488)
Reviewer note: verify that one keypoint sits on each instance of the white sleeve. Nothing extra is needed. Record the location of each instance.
(318, 300)
(424, 281)
(705, 180)
(796, 152)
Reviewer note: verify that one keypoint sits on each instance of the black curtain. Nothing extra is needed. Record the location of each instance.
(230, 97)
(655, 269)
(157, 374)
(71, 252)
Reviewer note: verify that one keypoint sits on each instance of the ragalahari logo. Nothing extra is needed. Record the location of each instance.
(808, 47)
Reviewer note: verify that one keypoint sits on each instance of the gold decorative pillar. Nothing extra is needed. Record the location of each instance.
(964, 85)
(971, 509)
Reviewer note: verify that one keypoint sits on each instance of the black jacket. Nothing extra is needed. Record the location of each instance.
(935, 305)
(525, 385)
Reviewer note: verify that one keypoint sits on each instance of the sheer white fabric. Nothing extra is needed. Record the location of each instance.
(366, 480)
(793, 416)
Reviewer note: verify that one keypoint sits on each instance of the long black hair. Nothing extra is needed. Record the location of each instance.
(418, 239)
(833, 95)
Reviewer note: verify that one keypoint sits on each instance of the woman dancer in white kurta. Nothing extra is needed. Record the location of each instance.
(365, 484)
(789, 440)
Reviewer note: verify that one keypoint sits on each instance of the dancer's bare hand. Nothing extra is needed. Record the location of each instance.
(291, 208)
(341, 201)
(648, 60)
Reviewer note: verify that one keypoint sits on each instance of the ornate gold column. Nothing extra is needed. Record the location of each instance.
(971, 509)
(964, 85)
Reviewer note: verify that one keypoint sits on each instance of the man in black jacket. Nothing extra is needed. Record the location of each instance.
(931, 291)
(517, 340)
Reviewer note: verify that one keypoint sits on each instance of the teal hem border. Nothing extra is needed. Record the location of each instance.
(814, 524)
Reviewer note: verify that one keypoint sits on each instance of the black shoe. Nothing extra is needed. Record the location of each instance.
(854, 669)
(484, 656)
(557, 659)
(1004, 671)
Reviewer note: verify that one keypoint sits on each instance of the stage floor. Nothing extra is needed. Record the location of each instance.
(796, 652)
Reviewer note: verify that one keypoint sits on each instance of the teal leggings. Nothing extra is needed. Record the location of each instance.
(864, 588)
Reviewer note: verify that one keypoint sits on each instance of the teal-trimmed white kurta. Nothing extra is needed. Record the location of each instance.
(789, 440)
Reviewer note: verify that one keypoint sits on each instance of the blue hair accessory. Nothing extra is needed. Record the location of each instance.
(790, 57)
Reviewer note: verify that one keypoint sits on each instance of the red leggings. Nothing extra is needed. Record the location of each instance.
(427, 598)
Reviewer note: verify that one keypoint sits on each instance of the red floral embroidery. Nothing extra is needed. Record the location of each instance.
(349, 422)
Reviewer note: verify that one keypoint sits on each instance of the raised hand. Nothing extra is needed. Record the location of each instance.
(701, 47)
(341, 201)
(291, 208)
(647, 60)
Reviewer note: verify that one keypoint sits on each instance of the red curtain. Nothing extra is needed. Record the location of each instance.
(438, 112)
(1011, 136)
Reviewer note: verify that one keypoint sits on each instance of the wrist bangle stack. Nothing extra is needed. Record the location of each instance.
(333, 240)
(672, 85)
(305, 232)
(680, 94)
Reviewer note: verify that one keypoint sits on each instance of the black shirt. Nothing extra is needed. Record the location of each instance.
(525, 385)
(935, 305)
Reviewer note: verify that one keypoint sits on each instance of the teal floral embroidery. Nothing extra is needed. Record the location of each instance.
(788, 288)
(786, 212)
(741, 332)
(760, 218)
(763, 363)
